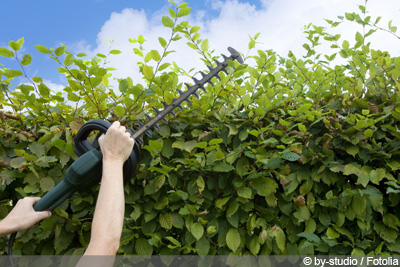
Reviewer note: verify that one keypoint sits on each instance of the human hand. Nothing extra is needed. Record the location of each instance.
(22, 216)
(116, 143)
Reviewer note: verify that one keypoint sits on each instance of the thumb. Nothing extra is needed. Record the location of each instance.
(43, 214)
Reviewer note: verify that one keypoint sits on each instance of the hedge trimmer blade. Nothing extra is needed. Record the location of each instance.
(184, 96)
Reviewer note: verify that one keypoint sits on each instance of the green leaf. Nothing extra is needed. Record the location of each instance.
(246, 100)
(232, 208)
(174, 241)
(46, 184)
(204, 45)
(155, 55)
(16, 45)
(162, 41)
(148, 72)
(26, 60)
(352, 150)
(123, 85)
(241, 166)
(254, 245)
(245, 192)
(172, 13)
(59, 51)
(119, 111)
(12, 73)
(62, 241)
(189, 145)
(167, 22)
(42, 49)
(368, 133)
(391, 220)
(138, 52)
(68, 60)
(290, 156)
(184, 11)
(233, 239)
(164, 66)
(156, 144)
(4, 52)
(197, 230)
(194, 29)
(345, 45)
(302, 128)
(222, 167)
(310, 237)
(215, 141)
(221, 202)
(280, 237)
(332, 234)
(37, 149)
(203, 246)
(359, 204)
(115, 52)
(165, 220)
(142, 247)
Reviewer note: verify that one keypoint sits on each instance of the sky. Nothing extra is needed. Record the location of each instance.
(84, 25)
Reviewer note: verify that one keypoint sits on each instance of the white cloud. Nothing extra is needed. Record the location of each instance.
(280, 23)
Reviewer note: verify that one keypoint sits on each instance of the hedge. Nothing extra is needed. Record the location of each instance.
(283, 155)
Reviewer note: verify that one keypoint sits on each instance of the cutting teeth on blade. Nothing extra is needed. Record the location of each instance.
(188, 101)
(218, 63)
(140, 124)
(156, 110)
(148, 133)
(196, 81)
(179, 91)
(196, 95)
(139, 140)
(184, 95)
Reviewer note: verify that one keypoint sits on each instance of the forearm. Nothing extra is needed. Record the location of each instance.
(109, 212)
(7, 227)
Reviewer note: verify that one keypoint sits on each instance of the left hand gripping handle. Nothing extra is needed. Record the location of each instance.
(55, 197)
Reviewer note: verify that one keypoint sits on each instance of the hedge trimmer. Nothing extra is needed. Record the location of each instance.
(86, 171)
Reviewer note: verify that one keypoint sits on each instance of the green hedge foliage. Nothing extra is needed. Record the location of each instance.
(284, 155)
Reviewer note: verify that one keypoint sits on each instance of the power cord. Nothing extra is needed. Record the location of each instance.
(10, 245)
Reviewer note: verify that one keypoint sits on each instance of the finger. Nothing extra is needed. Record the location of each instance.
(34, 199)
(43, 214)
(116, 124)
(122, 129)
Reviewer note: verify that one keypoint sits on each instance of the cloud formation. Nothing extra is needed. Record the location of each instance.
(279, 22)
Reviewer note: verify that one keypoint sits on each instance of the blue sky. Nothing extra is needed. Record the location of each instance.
(49, 23)
(83, 24)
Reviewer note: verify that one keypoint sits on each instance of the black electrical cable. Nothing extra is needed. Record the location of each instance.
(10, 245)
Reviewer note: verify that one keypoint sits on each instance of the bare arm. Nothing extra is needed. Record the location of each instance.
(116, 146)
(22, 216)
